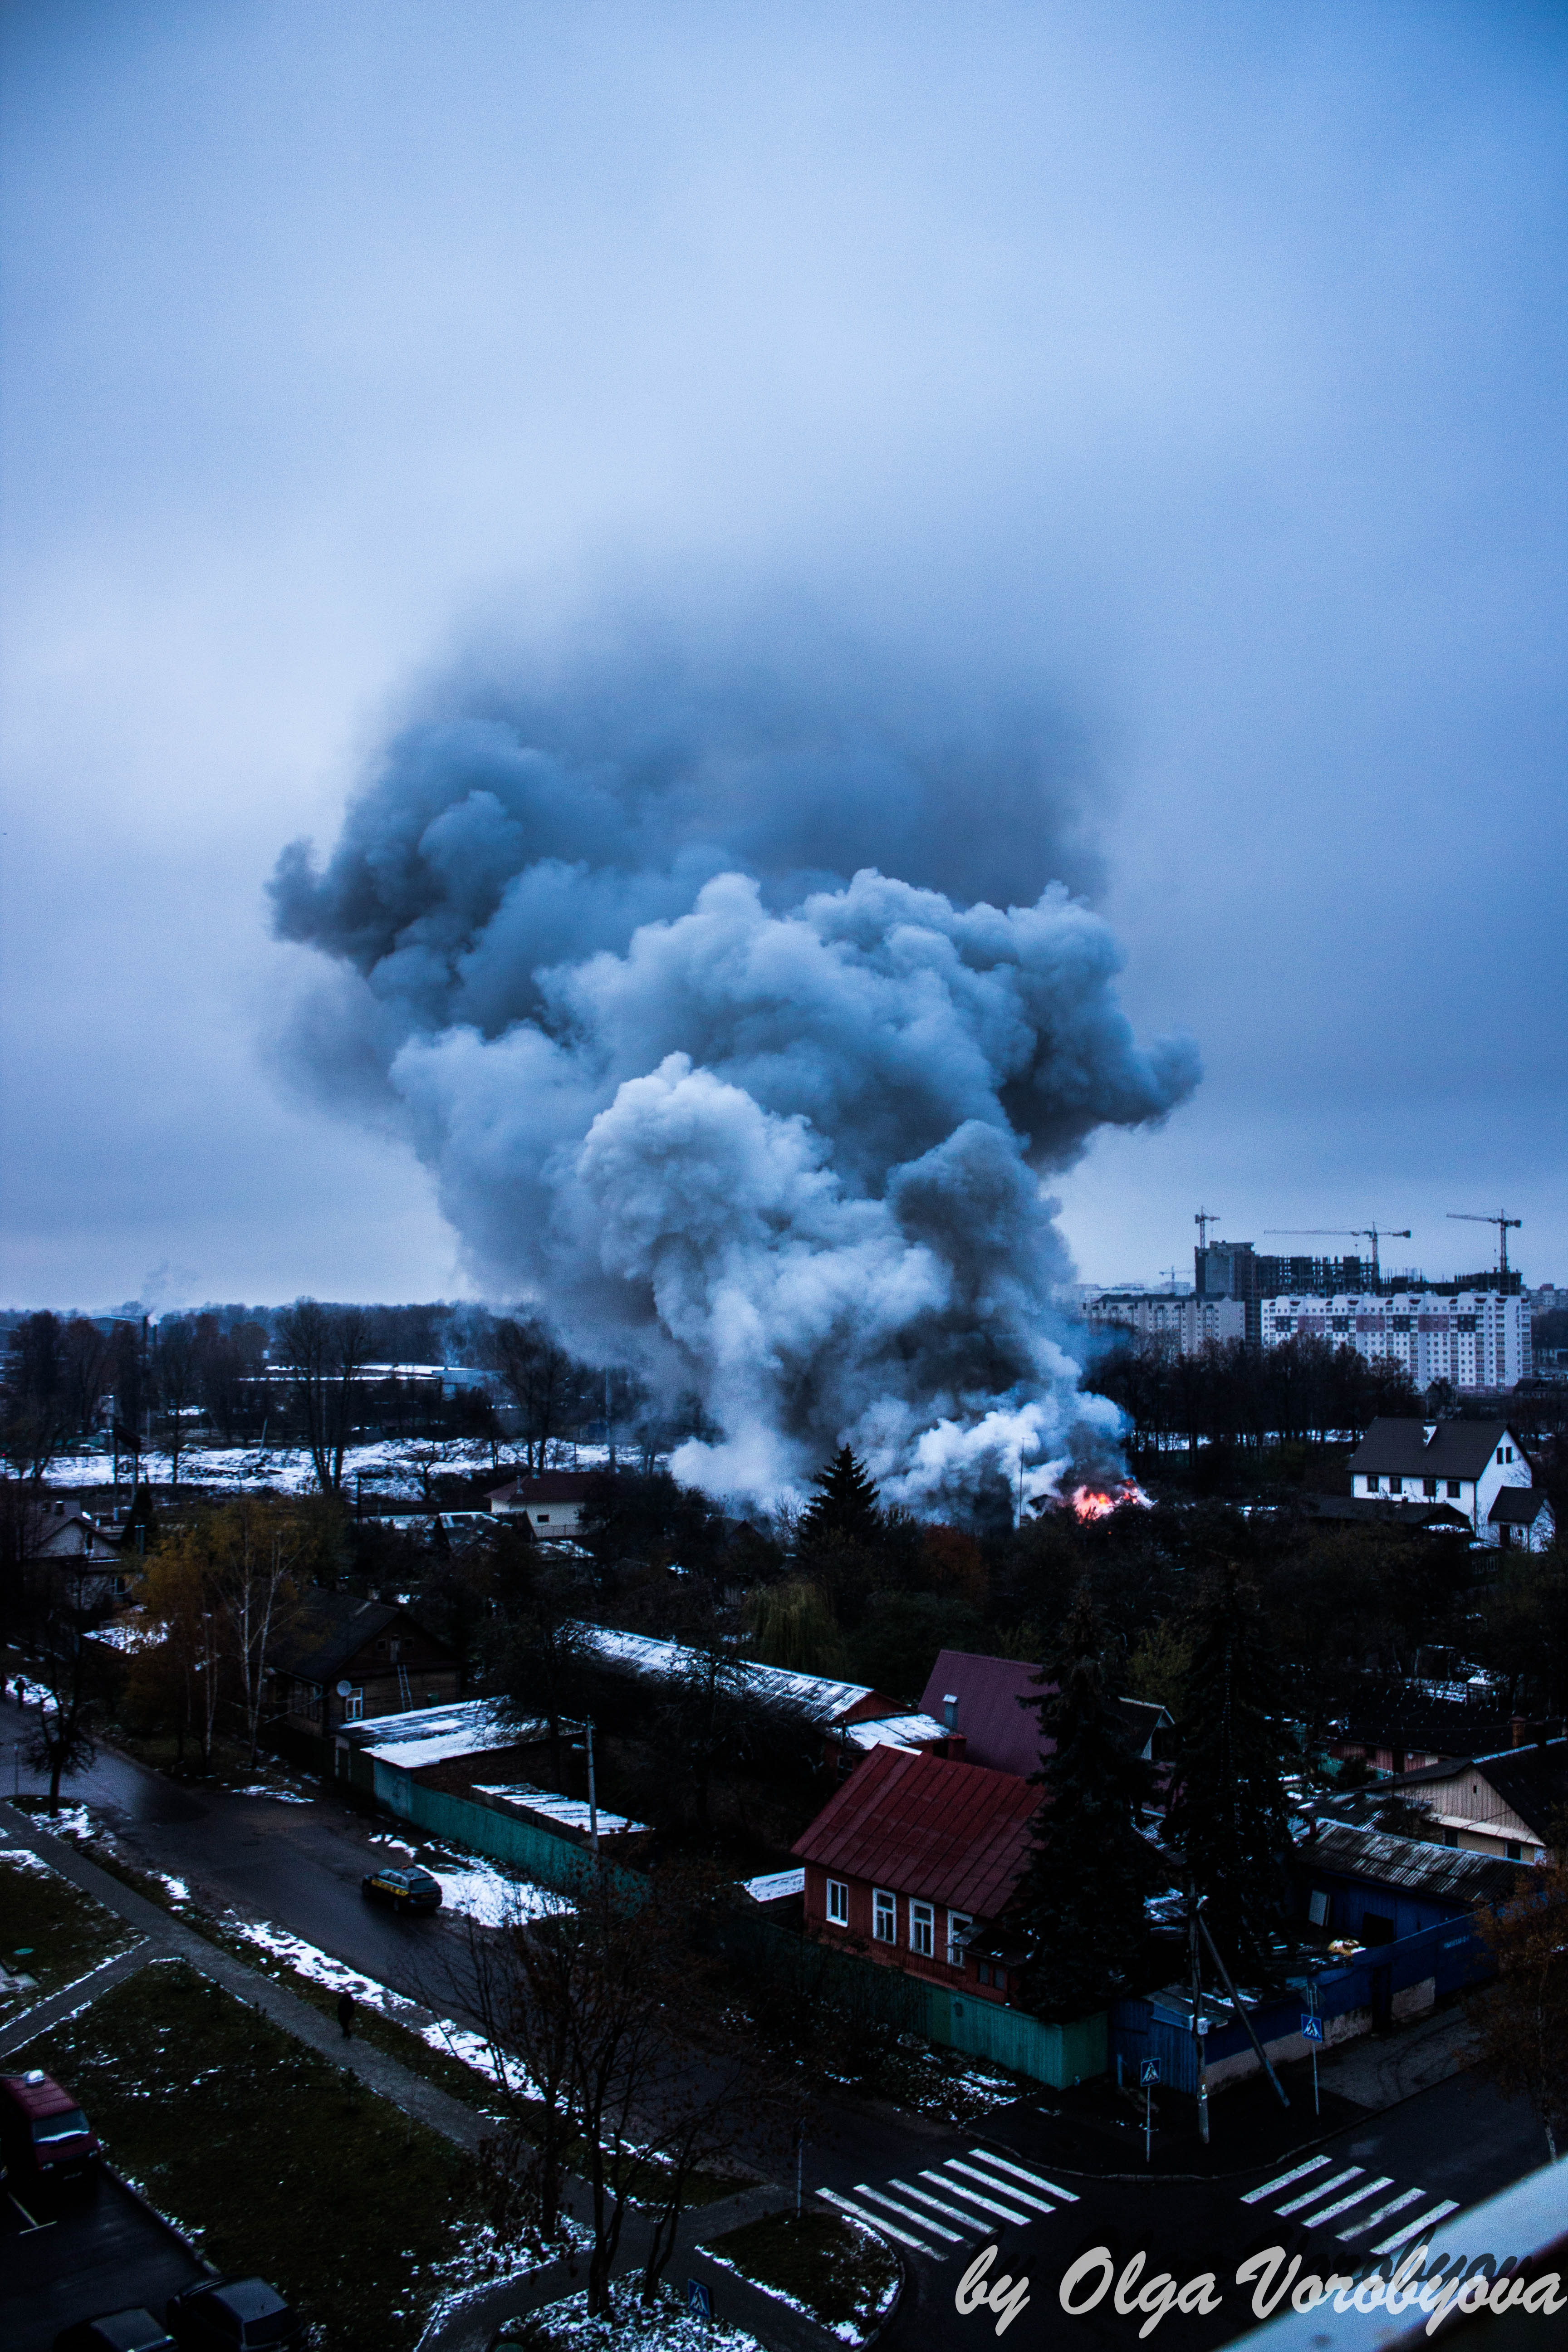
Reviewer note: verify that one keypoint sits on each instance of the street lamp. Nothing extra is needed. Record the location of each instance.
(587, 1728)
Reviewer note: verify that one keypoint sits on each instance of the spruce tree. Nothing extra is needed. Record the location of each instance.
(1080, 1907)
(845, 1509)
(1227, 1808)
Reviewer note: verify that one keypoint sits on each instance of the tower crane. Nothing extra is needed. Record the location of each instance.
(1204, 1220)
(1502, 1223)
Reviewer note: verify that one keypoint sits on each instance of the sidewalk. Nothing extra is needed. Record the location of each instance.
(473, 2323)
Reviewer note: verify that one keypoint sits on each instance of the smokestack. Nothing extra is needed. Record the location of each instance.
(697, 1074)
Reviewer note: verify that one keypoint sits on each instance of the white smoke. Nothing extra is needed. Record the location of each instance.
(771, 1131)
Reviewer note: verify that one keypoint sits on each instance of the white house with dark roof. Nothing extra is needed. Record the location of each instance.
(550, 1500)
(1471, 1466)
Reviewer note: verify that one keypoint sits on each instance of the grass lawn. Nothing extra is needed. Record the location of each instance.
(271, 2159)
(53, 1932)
(843, 2276)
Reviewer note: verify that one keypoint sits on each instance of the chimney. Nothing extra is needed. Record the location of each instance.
(950, 1709)
(1518, 1728)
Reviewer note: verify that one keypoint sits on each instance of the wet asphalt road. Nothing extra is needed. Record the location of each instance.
(297, 1865)
(81, 2256)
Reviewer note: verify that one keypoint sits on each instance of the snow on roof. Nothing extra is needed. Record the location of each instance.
(774, 1885)
(567, 1812)
(811, 1695)
(897, 1731)
(434, 1735)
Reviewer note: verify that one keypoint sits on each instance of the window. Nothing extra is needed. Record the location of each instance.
(923, 1928)
(1429, 1485)
(542, 1518)
(1453, 1490)
(353, 1706)
(959, 1924)
(999, 1979)
(395, 1649)
(838, 1902)
(1515, 1851)
(884, 1916)
(1318, 1908)
(982, 1970)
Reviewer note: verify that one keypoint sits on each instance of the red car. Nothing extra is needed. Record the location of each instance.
(45, 2137)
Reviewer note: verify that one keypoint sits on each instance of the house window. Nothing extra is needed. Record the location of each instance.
(543, 1518)
(1515, 1851)
(395, 1649)
(999, 1979)
(959, 1924)
(1318, 1908)
(1429, 1486)
(884, 1916)
(1453, 1490)
(353, 1706)
(838, 1902)
(982, 1970)
(923, 1930)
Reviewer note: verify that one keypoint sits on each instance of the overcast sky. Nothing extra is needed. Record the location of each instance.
(1200, 370)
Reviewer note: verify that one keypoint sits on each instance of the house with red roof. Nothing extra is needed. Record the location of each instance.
(914, 1861)
(989, 1709)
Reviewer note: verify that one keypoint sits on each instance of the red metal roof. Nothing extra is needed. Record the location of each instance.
(952, 1834)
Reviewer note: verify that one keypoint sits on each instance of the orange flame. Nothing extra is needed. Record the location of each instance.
(1099, 1501)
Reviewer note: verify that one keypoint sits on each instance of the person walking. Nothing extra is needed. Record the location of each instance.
(346, 2014)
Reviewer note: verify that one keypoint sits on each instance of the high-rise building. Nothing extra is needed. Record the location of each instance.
(1471, 1338)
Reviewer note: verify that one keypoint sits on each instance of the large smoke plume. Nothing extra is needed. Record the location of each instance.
(626, 955)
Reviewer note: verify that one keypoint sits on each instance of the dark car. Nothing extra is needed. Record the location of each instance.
(233, 2316)
(406, 1890)
(44, 2139)
(116, 2331)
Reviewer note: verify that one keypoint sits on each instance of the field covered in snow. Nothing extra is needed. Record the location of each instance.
(394, 1470)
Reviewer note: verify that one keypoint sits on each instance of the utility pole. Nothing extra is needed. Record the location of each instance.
(1200, 2023)
(587, 1728)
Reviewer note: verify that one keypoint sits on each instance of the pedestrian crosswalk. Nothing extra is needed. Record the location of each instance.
(1321, 2191)
(954, 2205)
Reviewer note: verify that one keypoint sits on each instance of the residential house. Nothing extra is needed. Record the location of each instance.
(1377, 1887)
(914, 1861)
(551, 1501)
(1467, 1463)
(388, 1660)
(851, 1717)
(1400, 1730)
(988, 1707)
(57, 1530)
(1506, 1803)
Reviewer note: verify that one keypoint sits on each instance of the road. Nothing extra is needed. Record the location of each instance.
(299, 1866)
(92, 2253)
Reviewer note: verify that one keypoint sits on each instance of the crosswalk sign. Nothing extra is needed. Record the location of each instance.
(699, 2302)
(1312, 2027)
(1148, 2071)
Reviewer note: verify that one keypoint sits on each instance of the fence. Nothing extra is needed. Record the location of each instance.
(866, 1992)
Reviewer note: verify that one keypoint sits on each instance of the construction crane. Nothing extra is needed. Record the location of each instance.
(1204, 1220)
(1372, 1233)
(1502, 1223)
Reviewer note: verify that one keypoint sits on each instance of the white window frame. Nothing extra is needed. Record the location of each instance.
(838, 1902)
(922, 1922)
(353, 1706)
(959, 1925)
(884, 1916)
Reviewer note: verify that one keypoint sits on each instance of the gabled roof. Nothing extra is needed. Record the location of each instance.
(1389, 1510)
(544, 1486)
(1533, 1781)
(958, 1834)
(1518, 1506)
(1444, 1872)
(997, 1729)
(817, 1697)
(333, 1627)
(1456, 1449)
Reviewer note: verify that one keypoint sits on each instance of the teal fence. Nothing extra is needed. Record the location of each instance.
(1056, 2054)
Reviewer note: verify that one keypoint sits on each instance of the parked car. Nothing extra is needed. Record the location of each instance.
(233, 2316)
(44, 2139)
(406, 1890)
(116, 2331)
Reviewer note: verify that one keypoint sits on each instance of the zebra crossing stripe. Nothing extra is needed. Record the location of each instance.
(1313, 2163)
(1449, 2205)
(1003, 2188)
(970, 2221)
(877, 2197)
(1342, 2204)
(972, 2197)
(876, 2221)
(1035, 2180)
(1320, 2188)
(1394, 2205)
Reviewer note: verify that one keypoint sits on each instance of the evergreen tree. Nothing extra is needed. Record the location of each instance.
(1080, 1907)
(845, 1509)
(1227, 1807)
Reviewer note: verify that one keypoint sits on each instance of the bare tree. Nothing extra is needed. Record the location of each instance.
(179, 1382)
(34, 1406)
(66, 1602)
(325, 1349)
(1525, 2017)
(257, 1546)
(542, 1380)
(84, 1355)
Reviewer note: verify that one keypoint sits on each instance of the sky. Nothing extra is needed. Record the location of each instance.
(1196, 373)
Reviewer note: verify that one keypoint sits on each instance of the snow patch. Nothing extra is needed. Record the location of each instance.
(278, 1796)
(22, 1857)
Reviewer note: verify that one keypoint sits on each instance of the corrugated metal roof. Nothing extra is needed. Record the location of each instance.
(957, 1834)
(998, 1729)
(1444, 1872)
(812, 1696)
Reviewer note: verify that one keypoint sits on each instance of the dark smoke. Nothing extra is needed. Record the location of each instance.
(695, 1073)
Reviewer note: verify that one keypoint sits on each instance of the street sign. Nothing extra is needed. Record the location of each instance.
(1148, 2070)
(699, 2302)
(1312, 2027)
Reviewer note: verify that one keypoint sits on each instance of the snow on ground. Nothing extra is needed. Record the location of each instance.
(845, 2329)
(22, 1857)
(667, 2327)
(393, 1468)
(278, 1796)
(476, 1889)
(71, 1821)
(384, 1837)
(439, 2033)
(28, 1693)
(175, 1888)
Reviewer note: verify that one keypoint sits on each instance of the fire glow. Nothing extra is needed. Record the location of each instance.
(1099, 1501)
